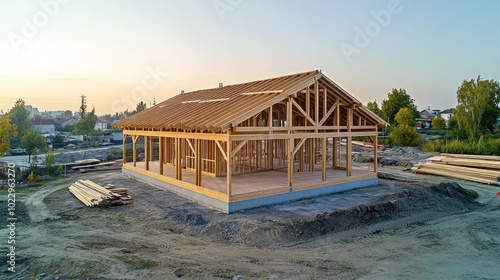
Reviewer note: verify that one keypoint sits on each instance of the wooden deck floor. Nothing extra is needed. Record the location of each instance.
(263, 181)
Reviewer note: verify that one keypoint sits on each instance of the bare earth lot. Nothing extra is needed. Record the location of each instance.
(409, 228)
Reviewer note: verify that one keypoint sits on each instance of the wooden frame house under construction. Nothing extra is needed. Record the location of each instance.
(258, 143)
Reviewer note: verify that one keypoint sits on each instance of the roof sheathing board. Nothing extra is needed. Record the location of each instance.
(228, 106)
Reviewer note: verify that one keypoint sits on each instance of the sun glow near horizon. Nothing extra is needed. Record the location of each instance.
(110, 51)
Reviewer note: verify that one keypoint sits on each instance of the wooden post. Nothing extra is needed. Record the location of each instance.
(325, 101)
(375, 153)
(323, 160)
(146, 151)
(316, 105)
(312, 154)
(198, 161)
(217, 160)
(259, 154)
(334, 152)
(151, 148)
(270, 154)
(270, 119)
(348, 147)
(229, 167)
(134, 149)
(124, 153)
(161, 153)
(168, 149)
(337, 116)
(301, 158)
(290, 162)
(308, 103)
(178, 167)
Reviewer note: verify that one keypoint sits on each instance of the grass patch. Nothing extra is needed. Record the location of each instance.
(136, 262)
(120, 218)
(473, 194)
(175, 230)
(33, 272)
(48, 199)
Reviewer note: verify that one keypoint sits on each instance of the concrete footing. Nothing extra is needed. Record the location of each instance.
(234, 206)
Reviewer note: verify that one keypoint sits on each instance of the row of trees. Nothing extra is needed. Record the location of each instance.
(16, 129)
(477, 112)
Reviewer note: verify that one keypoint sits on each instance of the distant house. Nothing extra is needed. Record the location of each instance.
(429, 114)
(54, 114)
(424, 122)
(44, 125)
(101, 124)
(32, 111)
(446, 114)
(426, 115)
(68, 122)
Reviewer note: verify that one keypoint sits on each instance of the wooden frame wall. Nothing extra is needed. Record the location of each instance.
(293, 131)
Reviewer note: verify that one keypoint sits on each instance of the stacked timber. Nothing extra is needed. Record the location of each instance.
(482, 169)
(83, 162)
(92, 194)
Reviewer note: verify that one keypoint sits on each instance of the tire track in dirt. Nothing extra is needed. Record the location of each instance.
(37, 209)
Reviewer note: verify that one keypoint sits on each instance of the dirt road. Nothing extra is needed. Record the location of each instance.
(415, 232)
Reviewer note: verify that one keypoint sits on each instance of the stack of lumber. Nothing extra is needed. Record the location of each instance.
(92, 194)
(367, 144)
(482, 169)
(84, 162)
(103, 166)
(93, 165)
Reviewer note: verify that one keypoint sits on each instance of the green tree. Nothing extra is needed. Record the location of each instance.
(477, 110)
(19, 117)
(452, 123)
(49, 161)
(373, 106)
(32, 141)
(86, 123)
(404, 132)
(396, 100)
(141, 106)
(438, 123)
(7, 131)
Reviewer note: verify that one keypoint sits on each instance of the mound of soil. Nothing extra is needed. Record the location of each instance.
(413, 205)
(71, 156)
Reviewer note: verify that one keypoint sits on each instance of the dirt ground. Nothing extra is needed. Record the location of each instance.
(411, 226)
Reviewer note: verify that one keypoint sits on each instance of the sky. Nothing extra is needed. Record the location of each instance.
(118, 53)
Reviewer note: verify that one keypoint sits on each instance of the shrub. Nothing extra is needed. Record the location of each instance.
(49, 162)
(481, 147)
(404, 135)
(34, 177)
(432, 146)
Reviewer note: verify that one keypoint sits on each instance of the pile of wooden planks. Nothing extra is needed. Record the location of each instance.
(92, 194)
(476, 168)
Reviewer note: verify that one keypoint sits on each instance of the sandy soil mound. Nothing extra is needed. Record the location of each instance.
(71, 156)
(410, 206)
